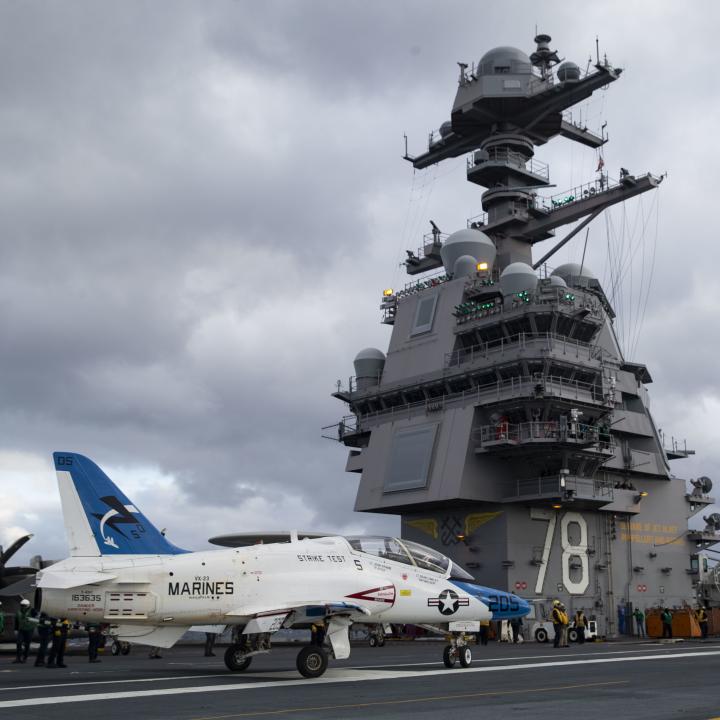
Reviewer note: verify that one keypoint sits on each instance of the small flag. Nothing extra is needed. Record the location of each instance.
(601, 164)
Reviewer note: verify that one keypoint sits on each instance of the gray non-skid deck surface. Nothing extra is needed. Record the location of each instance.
(401, 680)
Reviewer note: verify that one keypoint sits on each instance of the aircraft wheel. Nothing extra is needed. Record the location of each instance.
(449, 656)
(125, 649)
(465, 657)
(572, 635)
(312, 661)
(115, 648)
(235, 660)
(541, 635)
(373, 641)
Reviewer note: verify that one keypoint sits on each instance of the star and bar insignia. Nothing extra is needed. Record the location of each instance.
(448, 602)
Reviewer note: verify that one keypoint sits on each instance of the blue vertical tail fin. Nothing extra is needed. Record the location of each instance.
(99, 519)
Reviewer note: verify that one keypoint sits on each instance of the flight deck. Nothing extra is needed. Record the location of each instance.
(401, 680)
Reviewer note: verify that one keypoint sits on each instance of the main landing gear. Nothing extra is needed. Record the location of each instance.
(240, 653)
(119, 647)
(457, 651)
(376, 636)
(312, 661)
(236, 659)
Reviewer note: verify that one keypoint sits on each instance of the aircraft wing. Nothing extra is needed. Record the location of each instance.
(60, 580)
(217, 629)
(316, 608)
(265, 619)
(164, 637)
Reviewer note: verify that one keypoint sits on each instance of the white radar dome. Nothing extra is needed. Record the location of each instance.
(446, 128)
(470, 242)
(369, 364)
(504, 60)
(568, 71)
(572, 272)
(465, 266)
(557, 281)
(518, 277)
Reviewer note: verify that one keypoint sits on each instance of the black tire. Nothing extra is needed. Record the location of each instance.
(125, 649)
(380, 641)
(312, 661)
(465, 656)
(449, 656)
(235, 660)
(373, 641)
(541, 635)
(115, 648)
(573, 635)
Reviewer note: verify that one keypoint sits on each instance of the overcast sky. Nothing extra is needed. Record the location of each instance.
(200, 204)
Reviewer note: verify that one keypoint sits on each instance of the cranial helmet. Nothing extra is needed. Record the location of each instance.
(25, 603)
(556, 602)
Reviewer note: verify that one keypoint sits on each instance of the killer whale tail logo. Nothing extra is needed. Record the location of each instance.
(99, 519)
(118, 514)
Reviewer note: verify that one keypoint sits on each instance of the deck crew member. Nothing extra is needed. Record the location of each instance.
(557, 620)
(580, 624)
(56, 658)
(482, 638)
(666, 618)
(564, 627)
(24, 626)
(45, 629)
(702, 618)
(94, 638)
(639, 616)
(210, 638)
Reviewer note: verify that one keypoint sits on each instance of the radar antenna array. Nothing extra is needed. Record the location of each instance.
(701, 486)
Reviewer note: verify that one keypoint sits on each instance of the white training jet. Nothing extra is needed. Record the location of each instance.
(123, 572)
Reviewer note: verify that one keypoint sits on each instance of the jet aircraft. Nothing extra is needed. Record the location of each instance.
(124, 572)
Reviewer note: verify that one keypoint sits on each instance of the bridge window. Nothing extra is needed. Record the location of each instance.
(424, 315)
(410, 457)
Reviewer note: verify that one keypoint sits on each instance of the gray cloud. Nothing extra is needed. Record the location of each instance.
(200, 203)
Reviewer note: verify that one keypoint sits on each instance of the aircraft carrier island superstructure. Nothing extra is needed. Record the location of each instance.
(504, 424)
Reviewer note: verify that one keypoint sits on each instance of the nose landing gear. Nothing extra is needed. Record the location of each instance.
(457, 651)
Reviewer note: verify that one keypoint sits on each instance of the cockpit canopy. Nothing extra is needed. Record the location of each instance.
(408, 553)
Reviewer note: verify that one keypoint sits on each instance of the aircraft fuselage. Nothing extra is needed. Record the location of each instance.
(232, 586)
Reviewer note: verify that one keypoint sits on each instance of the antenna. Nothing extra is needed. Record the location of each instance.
(582, 262)
(597, 50)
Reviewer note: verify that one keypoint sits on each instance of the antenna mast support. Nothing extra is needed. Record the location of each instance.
(567, 238)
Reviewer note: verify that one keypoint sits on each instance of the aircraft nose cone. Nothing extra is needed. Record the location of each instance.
(524, 606)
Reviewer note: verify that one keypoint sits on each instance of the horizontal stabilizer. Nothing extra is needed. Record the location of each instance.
(164, 637)
(66, 580)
